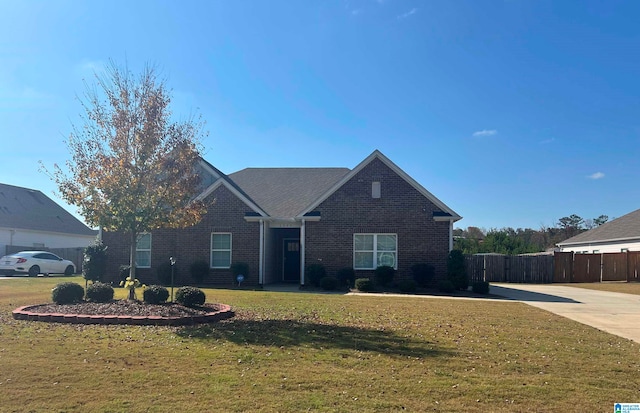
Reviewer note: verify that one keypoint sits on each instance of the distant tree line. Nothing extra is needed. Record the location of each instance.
(510, 241)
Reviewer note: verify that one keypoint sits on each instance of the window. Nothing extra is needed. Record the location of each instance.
(220, 250)
(624, 249)
(374, 250)
(143, 251)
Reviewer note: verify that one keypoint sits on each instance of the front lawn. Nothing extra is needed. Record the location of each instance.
(316, 352)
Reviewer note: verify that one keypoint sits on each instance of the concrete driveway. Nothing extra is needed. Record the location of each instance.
(615, 313)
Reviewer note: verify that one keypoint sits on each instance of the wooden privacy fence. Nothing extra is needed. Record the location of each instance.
(531, 269)
(562, 267)
(582, 268)
(75, 255)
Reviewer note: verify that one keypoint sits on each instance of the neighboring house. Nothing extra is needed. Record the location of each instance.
(30, 219)
(620, 235)
(281, 220)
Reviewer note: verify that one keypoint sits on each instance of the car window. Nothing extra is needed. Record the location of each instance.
(46, 256)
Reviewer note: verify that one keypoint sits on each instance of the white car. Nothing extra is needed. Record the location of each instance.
(34, 263)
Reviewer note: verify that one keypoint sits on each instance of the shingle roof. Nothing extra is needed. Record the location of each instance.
(24, 208)
(285, 192)
(625, 227)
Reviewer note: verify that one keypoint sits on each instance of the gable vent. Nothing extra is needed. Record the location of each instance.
(375, 190)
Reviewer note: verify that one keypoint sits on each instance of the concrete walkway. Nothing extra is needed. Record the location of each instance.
(615, 313)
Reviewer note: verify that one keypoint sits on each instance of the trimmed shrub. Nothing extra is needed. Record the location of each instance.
(163, 272)
(457, 271)
(480, 287)
(98, 292)
(199, 270)
(155, 294)
(364, 284)
(94, 266)
(329, 283)
(346, 277)
(314, 273)
(384, 275)
(422, 273)
(407, 286)
(190, 296)
(239, 268)
(67, 293)
(446, 286)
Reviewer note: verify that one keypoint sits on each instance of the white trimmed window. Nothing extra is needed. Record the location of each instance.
(220, 250)
(143, 251)
(371, 251)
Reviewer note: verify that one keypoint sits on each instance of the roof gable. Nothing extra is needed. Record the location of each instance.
(286, 192)
(447, 213)
(30, 209)
(624, 228)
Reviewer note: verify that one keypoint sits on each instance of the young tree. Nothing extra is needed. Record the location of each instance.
(132, 166)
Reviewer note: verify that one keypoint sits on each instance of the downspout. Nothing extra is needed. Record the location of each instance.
(302, 254)
(261, 263)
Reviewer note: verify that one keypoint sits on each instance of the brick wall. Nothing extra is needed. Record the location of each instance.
(187, 245)
(401, 210)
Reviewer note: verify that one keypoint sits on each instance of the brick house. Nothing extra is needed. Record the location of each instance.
(281, 220)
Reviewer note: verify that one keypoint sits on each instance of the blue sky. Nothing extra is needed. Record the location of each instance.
(514, 113)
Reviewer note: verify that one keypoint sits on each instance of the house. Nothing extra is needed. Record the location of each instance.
(619, 235)
(279, 221)
(31, 220)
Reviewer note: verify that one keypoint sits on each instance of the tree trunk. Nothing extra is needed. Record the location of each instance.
(132, 263)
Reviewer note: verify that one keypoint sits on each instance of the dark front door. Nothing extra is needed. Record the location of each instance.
(291, 260)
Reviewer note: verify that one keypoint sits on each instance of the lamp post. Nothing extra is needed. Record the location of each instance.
(173, 262)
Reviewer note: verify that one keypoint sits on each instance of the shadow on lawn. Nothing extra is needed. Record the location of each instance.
(291, 333)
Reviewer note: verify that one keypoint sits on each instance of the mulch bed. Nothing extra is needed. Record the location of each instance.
(123, 312)
(124, 307)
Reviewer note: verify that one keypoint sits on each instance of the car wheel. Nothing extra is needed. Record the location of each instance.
(34, 271)
(68, 271)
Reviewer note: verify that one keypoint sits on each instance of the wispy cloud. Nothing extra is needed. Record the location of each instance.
(485, 132)
(597, 175)
(546, 141)
(407, 14)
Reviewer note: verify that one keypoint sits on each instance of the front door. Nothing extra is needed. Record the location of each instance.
(291, 260)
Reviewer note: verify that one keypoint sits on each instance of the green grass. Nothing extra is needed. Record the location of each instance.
(315, 352)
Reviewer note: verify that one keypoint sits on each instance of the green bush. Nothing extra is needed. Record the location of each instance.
(98, 292)
(480, 287)
(314, 273)
(199, 270)
(94, 266)
(384, 275)
(346, 277)
(364, 284)
(163, 272)
(155, 294)
(190, 296)
(67, 293)
(329, 283)
(239, 268)
(407, 286)
(457, 271)
(422, 273)
(446, 286)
